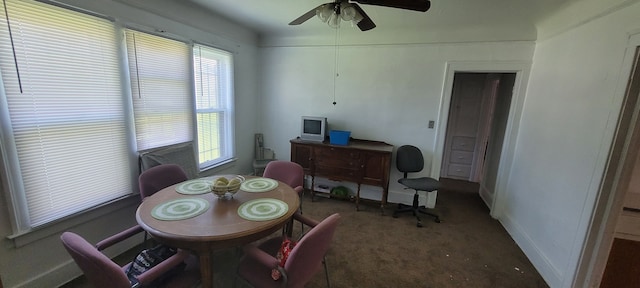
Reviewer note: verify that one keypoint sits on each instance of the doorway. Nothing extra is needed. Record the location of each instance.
(475, 131)
(607, 259)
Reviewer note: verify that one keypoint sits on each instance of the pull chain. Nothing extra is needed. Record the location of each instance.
(335, 67)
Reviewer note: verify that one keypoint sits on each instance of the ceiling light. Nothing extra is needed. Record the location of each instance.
(324, 12)
(334, 20)
(334, 13)
(347, 12)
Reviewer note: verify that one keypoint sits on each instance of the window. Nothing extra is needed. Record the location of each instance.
(62, 112)
(214, 105)
(73, 110)
(161, 89)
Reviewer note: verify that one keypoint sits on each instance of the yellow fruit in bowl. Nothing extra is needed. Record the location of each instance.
(222, 181)
(234, 181)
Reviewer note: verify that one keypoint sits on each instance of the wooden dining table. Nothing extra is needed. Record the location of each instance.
(219, 227)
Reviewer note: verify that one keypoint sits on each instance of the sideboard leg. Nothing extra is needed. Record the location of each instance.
(313, 190)
(358, 198)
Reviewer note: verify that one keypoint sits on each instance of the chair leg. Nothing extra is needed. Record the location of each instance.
(424, 211)
(415, 210)
(326, 271)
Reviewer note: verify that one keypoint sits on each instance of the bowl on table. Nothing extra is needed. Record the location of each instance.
(223, 185)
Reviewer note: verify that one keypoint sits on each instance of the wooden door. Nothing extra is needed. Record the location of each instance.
(302, 154)
(469, 125)
(489, 94)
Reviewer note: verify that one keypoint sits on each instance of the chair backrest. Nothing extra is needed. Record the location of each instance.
(306, 257)
(159, 177)
(285, 171)
(409, 159)
(98, 268)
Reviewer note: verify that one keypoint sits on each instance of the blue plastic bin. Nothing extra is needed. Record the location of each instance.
(339, 137)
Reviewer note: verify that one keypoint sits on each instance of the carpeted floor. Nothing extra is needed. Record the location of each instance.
(467, 249)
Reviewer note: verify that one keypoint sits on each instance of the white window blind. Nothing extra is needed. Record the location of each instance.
(214, 104)
(161, 89)
(64, 97)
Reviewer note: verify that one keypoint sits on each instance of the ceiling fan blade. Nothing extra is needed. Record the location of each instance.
(366, 23)
(305, 16)
(415, 5)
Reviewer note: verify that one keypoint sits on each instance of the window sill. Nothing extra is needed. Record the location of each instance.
(23, 238)
(213, 169)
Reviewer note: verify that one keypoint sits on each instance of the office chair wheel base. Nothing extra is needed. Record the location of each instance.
(419, 225)
(395, 215)
(437, 220)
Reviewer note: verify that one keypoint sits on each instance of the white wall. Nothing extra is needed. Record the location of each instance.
(390, 92)
(566, 129)
(384, 92)
(44, 262)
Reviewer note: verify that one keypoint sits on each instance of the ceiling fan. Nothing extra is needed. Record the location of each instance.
(334, 12)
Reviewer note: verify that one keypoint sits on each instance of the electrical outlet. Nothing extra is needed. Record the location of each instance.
(431, 124)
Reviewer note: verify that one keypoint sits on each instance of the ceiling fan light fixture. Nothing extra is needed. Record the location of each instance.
(334, 20)
(347, 12)
(324, 12)
(357, 18)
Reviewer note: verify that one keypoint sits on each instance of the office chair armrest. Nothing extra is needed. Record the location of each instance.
(305, 220)
(262, 257)
(162, 268)
(116, 238)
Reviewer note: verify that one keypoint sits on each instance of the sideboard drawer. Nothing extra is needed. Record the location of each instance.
(334, 152)
(337, 173)
(336, 157)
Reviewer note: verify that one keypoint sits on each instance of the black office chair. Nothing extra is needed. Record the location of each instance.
(409, 160)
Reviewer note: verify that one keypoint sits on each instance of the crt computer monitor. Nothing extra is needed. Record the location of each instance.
(313, 128)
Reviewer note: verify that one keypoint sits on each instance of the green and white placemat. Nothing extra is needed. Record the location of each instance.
(180, 209)
(259, 185)
(194, 187)
(263, 209)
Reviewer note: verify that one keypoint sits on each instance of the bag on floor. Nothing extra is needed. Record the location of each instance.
(149, 258)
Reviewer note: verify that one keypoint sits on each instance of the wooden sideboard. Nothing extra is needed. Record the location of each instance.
(362, 162)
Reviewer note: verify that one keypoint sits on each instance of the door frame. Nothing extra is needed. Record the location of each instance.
(617, 175)
(522, 70)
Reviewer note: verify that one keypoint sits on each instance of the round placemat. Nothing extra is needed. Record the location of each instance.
(194, 187)
(263, 209)
(259, 185)
(180, 209)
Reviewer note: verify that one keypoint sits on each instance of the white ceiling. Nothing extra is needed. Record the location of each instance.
(271, 17)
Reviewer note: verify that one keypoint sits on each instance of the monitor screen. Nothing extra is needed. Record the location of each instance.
(312, 126)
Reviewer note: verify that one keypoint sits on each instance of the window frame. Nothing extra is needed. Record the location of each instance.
(16, 155)
(9, 158)
(228, 127)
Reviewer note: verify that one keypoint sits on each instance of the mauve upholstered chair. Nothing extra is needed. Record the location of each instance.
(102, 272)
(159, 177)
(288, 172)
(304, 261)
